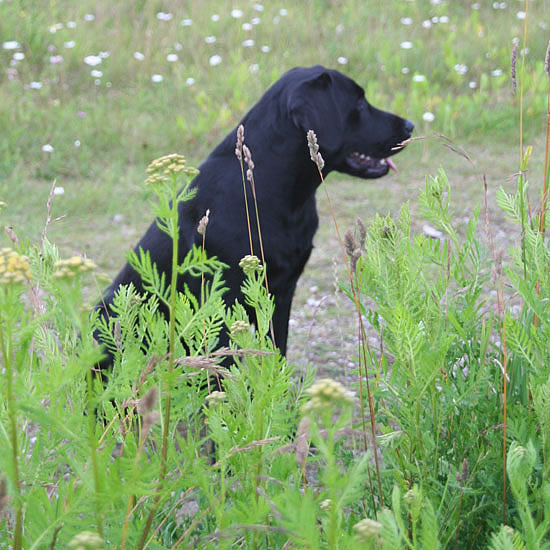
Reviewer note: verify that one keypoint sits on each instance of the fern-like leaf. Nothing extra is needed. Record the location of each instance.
(509, 204)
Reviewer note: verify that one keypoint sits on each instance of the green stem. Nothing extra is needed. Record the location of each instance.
(93, 448)
(172, 328)
(92, 419)
(171, 346)
(419, 443)
(522, 155)
(131, 498)
(6, 358)
(333, 525)
(260, 435)
(246, 207)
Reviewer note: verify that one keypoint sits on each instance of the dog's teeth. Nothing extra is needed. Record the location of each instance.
(383, 161)
(362, 156)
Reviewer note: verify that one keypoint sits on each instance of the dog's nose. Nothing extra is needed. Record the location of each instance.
(409, 127)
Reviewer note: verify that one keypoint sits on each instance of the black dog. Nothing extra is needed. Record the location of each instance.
(354, 138)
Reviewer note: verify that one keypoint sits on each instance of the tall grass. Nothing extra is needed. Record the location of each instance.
(457, 391)
(436, 402)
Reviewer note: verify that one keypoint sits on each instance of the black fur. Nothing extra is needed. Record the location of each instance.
(316, 98)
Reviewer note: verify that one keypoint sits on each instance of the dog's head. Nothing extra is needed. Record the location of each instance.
(353, 136)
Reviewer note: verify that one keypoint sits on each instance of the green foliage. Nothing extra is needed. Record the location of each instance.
(507, 539)
(437, 404)
(438, 385)
(156, 454)
(439, 380)
(176, 461)
(114, 116)
(153, 445)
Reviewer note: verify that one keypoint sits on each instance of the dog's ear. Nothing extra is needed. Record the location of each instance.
(312, 105)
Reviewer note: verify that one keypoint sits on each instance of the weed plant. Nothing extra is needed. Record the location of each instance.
(444, 444)
(78, 102)
(142, 477)
(74, 476)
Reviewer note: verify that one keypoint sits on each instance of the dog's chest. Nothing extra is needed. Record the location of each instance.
(290, 237)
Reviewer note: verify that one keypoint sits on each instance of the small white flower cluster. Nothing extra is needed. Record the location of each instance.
(68, 269)
(326, 393)
(216, 398)
(160, 169)
(250, 263)
(87, 540)
(368, 530)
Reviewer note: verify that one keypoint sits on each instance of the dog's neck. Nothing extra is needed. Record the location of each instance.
(297, 180)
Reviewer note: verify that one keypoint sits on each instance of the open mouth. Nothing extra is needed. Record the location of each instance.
(370, 165)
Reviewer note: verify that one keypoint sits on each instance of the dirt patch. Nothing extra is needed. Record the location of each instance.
(323, 331)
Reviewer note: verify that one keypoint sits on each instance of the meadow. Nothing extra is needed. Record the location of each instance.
(413, 409)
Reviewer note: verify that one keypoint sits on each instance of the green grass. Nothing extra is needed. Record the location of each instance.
(122, 120)
(427, 307)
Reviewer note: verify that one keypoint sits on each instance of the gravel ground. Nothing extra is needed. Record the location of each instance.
(323, 326)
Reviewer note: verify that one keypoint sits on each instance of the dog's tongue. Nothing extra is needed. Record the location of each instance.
(391, 164)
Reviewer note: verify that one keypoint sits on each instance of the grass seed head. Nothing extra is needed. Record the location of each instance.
(249, 162)
(352, 249)
(462, 476)
(362, 232)
(320, 161)
(148, 401)
(201, 229)
(240, 141)
(349, 242)
(149, 420)
(513, 67)
(312, 144)
(496, 271)
(248, 157)
(547, 60)
(314, 150)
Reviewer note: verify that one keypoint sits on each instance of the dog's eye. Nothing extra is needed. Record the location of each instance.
(361, 107)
